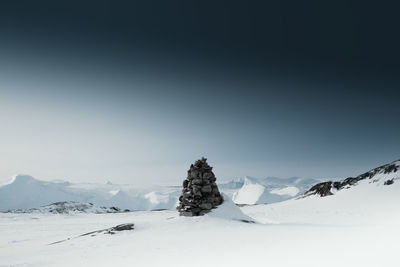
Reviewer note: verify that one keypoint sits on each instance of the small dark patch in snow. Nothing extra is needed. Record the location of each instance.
(389, 182)
(111, 231)
(247, 221)
(68, 207)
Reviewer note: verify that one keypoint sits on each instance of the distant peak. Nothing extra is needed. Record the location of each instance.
(22, 178)
(249, 180)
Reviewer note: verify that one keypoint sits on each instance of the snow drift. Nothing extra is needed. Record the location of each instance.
(228, 210)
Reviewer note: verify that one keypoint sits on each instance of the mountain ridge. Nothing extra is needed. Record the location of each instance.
(26, 192)
(385, 174)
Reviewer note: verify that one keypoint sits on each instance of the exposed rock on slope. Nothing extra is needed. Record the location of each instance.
(200, 192)
(110, 231)
(385, 175)
(68, 207)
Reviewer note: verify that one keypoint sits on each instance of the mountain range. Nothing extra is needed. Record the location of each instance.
(25, 192)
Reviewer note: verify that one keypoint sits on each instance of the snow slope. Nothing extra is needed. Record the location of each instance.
(356, 226)
(300, 236)
(384, 175)
(228, 210)
(364, 203)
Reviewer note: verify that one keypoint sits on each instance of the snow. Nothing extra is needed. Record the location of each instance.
(365, 203)
(228, 210)
(26, 192)
(289, 191)
(270, 190)
(158, 198)
(358, 226)
(114, 192)
(249, 194)
(301, 236)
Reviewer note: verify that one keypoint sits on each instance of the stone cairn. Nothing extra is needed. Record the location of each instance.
(200, 192)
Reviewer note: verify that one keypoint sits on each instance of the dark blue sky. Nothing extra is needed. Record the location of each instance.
(134, 91)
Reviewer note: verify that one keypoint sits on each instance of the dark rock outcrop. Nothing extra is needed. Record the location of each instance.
(200, 193)
(325, 188)
(389, 182)
(70, 207)
(110, 231)
(322, 189)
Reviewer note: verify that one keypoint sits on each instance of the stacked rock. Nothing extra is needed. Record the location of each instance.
(200, 192)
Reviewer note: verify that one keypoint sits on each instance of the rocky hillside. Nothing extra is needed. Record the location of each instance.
(384, 175)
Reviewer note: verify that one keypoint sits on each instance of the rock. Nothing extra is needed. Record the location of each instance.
(110, 231)
(197, 181)
(69, 207)
(206, 189)
(200, 192)
(390, 168)
(323, 189)
(123, 227)
(389, 182)
(206, 206)
(215, 190)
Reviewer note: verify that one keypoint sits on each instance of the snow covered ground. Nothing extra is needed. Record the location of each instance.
(355, 227)
(364, 204)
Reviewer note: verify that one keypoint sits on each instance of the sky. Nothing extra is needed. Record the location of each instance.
(135, 91)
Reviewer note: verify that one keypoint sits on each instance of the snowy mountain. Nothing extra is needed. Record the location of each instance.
(358, 221)
(384, 175)
(26, 192)
(369, 199)
(354, 227)
(250, 191)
